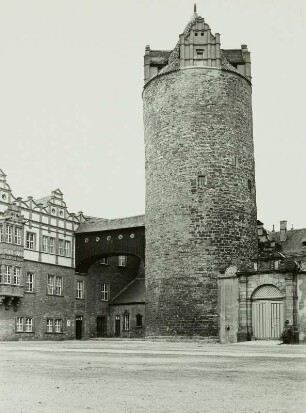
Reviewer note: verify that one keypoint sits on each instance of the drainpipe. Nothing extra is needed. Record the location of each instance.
(295, 338)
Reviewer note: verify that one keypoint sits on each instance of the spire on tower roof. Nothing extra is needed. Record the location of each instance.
(194, 11)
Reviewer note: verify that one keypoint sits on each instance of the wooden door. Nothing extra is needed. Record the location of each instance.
(102, 326)
(267, 319)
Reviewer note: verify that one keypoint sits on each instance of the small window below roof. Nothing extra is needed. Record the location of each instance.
(304, 242)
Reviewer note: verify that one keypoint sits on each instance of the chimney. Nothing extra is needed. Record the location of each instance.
(283, 230)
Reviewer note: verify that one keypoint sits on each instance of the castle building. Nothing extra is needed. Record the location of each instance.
(200, 178)
(199, 263)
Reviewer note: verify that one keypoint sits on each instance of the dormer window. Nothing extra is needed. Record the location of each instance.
(304, 242)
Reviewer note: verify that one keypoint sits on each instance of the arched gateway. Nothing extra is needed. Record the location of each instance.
(267, 312)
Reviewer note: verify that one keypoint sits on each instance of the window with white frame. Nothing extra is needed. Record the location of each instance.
(122, 261)
(30, 240)
(58, 325)
(29, 287)
(24, 325)
(126, 322)
(16, 275)
(50, 284)
(51, 245)
(54, 325)
(54, 285)
(45, 243)
(67, 248)
(49, 325)
(104, 261)
(29, 325)
(105, 292)
(61, 247)
(58, 285)
(7, 276)
(9, 233)
(48, 244)
(19, 324)
(17, 235)
(80, 289)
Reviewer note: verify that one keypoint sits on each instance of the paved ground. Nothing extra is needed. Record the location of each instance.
(138, 376)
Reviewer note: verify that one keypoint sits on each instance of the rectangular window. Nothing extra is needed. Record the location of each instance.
(51, 245)
(126, 322)
(80, 289)
(58, 285)
(1, 233)
(122, 261)
(30, 240)
(48, 244)
(104, 292)
(9, 233)
(19, 324)
(50, 286)
(7, 276)
(29, 325)
(202, 181)
(45, 243)
(61, 247)
(17, 235)
(24, 325)
(54, 285)
(29, 282)
(49, 325)
(58, 325)
(16, 276)
(67, 249)
(104, 261)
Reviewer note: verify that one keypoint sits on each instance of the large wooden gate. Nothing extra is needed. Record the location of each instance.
(267, 313)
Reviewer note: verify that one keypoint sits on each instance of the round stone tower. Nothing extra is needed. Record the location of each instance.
(200, 179)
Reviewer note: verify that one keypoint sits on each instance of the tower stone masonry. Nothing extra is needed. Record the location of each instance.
(200, 178)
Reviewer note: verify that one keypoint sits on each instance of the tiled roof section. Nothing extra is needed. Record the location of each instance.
(174, 58)
(101, 224)
(293, 246)
(43, 201)
(233, 55)
(160, 53)
(225, 65)
(135, 293)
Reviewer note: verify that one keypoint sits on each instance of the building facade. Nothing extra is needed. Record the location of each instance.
(198, 264)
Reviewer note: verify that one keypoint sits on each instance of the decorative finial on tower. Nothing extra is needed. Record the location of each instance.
(194, 11)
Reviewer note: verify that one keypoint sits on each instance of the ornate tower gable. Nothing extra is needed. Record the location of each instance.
(197, 46)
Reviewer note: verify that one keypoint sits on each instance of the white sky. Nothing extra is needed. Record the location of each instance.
(71, 106)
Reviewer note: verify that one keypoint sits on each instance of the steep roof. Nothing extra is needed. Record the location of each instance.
(102, 224)
(293, 246)
(133, 293)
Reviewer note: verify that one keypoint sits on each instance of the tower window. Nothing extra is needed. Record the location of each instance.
(196, 34)
(250, 185)
(200, 53)
(202, 34)
(202, 181)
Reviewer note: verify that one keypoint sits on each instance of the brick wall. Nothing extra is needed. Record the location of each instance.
(117, 277)
(200, 194)
(40, 306)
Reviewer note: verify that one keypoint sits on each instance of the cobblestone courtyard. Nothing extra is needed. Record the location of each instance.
(139, 376)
